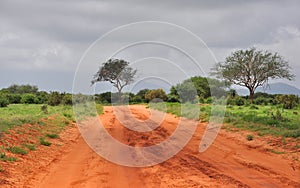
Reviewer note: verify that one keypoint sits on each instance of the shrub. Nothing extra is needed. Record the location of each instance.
(3, 101)
(288, 101)
(262, 101)
(173, 98)
(67, 99)
(14, 98)
(250, 137)
(54, 98)
(44, 109)
(239, 101)
(29, 99)
(156, 94)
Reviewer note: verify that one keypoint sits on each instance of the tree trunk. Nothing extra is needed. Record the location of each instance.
(119, 96)
(251, 95)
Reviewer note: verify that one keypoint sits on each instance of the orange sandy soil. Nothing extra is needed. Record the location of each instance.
(231, 161)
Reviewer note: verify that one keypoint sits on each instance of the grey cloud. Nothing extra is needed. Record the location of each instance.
(31, 30)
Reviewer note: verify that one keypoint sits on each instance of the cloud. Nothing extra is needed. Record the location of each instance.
(53, 35)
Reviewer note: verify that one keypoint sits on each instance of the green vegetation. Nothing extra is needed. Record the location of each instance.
(44, 142)
(277, 152)
(250, 137)
(52, 135)
(5, 158)
(17, 150)
(31, 147)
(271, 119)
(252, 68)
(19, 114)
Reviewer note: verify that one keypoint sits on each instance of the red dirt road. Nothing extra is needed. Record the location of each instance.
(231, 161)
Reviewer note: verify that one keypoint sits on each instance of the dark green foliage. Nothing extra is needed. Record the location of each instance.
(21, 89)
(29, 98)
(187, 92)
(3, 101)
(14, 98)
(250, 137)
(117, 72)
(52, 135)
(288, 101)
(44, 142)
(173, 98)
(156, 95)
(55, 98)
(239, 101)
(141, 94)
(67, 99)
(42, 97)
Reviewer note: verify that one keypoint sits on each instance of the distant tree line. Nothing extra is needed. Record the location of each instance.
(28, 94)
(195, 90)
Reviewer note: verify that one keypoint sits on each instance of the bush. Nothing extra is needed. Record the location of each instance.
(173, 98)
(14, 98)
(288, 101)
(239, 101)
(44, 109)
(67, 99)
(156, 94)
(29, 99)
(3, 101)
(54, 98)
(262, 101)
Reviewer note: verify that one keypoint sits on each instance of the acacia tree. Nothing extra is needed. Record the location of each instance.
(117, 72)
(252, 68)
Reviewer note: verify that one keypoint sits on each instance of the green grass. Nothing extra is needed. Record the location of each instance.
(44, 142)
(52, 135)
(5, 158)
(250, 137)
(277, 152)
(17, 150)
(265, 120)
(19, 114)
(31, 147)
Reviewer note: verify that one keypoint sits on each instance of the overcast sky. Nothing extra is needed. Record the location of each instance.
(42, 42)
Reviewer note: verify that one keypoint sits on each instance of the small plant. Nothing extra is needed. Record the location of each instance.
(52, 135)
(4, 158)
(254, 107)
(250, 137)
(44, 109)
(17, 150)
(277, 152)
(31, 147)
(44, 142)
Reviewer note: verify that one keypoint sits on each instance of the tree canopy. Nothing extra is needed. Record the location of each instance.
(117, 72)
(252, 68)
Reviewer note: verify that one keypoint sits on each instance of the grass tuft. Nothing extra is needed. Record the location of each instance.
(44, 142)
